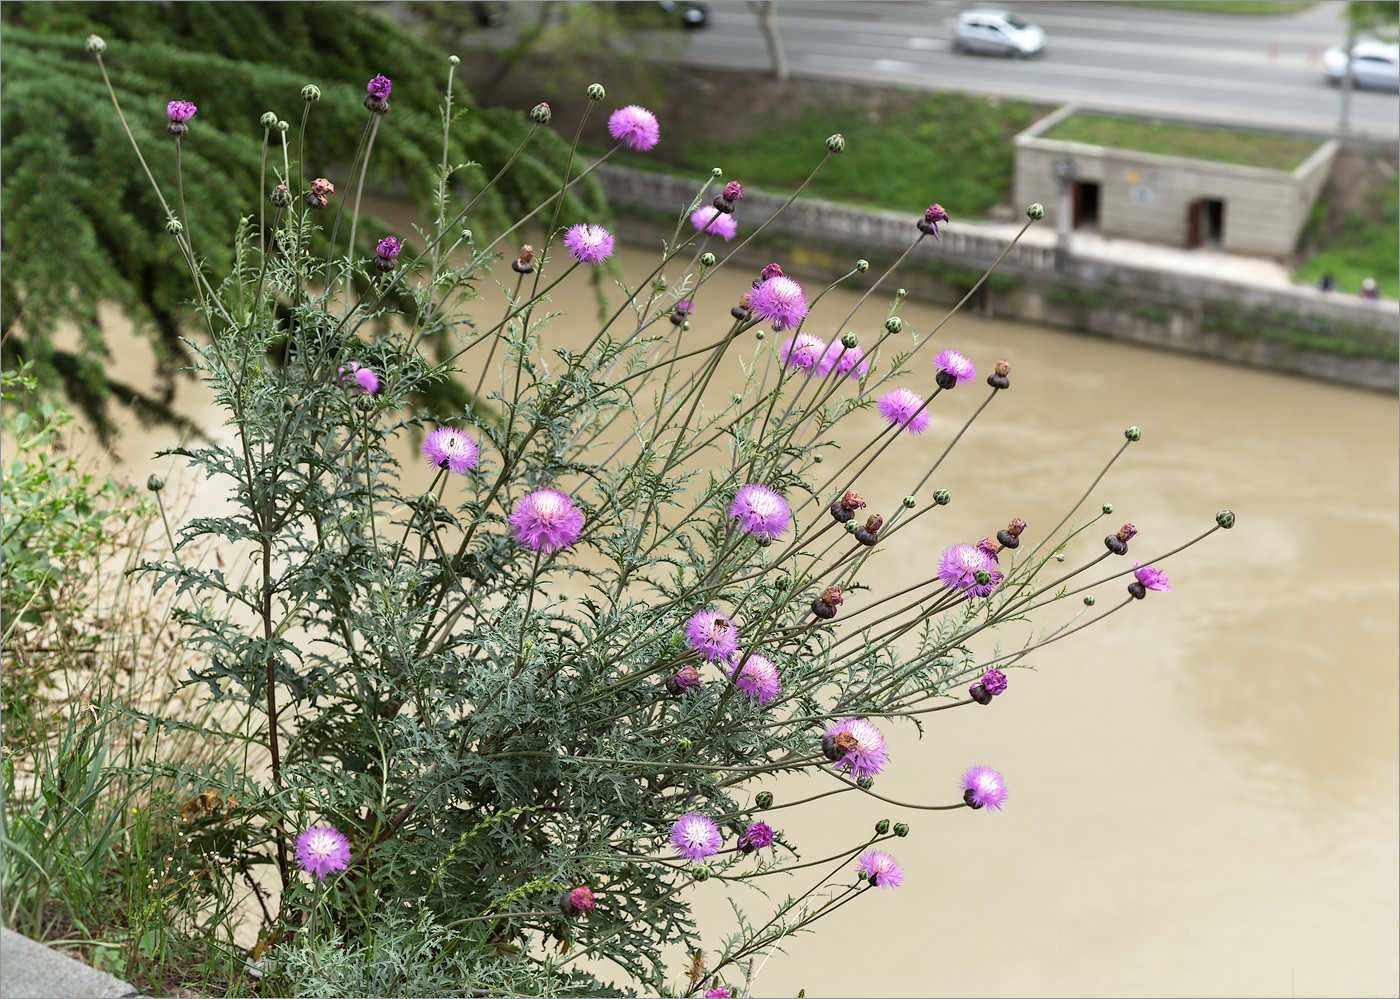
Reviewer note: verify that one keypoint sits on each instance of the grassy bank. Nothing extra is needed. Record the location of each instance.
(1221, 145)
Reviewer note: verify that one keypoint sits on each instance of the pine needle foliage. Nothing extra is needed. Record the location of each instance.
(81, 226)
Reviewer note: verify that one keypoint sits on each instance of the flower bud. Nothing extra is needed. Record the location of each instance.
(1035, 212)
(427, 502)
(311, 93)
(770, 271)
(909, 502)
(836, 143)
(282, 126)
(1107, 508)
(862, 266)
(452, 60)
(982, 576)
(154, 483)
(174, 227)
(466, 235)
(268, 120)
(733, 191)
(979, 694)
(844, 509)
(707, 259)
(849, 340)
(994, 682)
(852, 527)
(95, 45)
(1226, 519)
(281, 197)
(894, 324)
(882, 827)
(1133, 434)
(1089, 600)
(764, 799)
(701, 873)
(865, 783)
(686, 679)
(596, 92)
(540, 114)
(578, 901)
(1137, 590)
(862, 875)
(525, 262)
(901, 829)
(941, 497)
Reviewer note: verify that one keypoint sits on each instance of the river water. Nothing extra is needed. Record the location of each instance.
(1203, 788)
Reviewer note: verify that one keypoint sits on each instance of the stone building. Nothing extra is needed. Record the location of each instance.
(1179, 200)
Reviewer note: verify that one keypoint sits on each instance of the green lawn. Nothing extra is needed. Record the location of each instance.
(912, 150)
(1265, 8)
(1368, 247)
(1259, 149)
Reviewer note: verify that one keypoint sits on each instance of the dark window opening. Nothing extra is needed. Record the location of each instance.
(1086, 205)
(1214, 222)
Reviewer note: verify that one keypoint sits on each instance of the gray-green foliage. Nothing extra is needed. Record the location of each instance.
(487, 742)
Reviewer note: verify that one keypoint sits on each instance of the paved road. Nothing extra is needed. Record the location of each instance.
(1248, 70)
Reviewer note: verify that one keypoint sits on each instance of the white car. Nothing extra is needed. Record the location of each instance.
(1373, 64)
(997, 32)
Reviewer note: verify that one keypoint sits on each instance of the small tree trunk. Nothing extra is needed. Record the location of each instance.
(764, 11)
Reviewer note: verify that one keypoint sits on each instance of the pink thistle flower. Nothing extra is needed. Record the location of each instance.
(994, 682)
(881, 870)
(388, 247)
(905, 408)
(379, 86)
(712, 635)
(857, 746)
(589, 244)
(577, 901)
(761, 511)
(546, 520)
(711, 220)
(364, 378)
(322, 850)
(959, 566)
(695, 836)
(449, 447)
(848, 361)
(720, 993)
(983, 788)
(756, 836)
(1153, 579)
(803, 351)
(635, 127)
(180, 110)
(758, 677)
(780, 301)
(953, 369)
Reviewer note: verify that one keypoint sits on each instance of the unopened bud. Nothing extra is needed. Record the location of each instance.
(1035, 212)
(1226, 519)
(282, 126)
(865, 783)
(154, 483)
(982, 576)
(707, 259)
(281, 197)
(95, 45)
(540, 114)
(909, 502)
(1107, 508)
(942, 497)
(1089, 600)
(700, 873)
(862, 266)
(596, 92)
(452, 60)
(268, 120)
(311, 93)
(1133, 434)
(894, 324)
(901, 829)
(836, 143)
(849, 340)
(174, 227)
(764, 799)
(882, 827)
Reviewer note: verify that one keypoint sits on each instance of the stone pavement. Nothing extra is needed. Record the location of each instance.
(29, 970)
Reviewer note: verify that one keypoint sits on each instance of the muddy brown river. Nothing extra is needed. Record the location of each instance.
(1203, 789)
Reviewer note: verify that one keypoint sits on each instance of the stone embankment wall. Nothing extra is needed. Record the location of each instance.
(1294, 329)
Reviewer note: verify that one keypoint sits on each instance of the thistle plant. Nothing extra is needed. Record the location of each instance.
(505, 723)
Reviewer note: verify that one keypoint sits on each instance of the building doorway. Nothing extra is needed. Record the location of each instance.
(1205, 223)
(1086, 205)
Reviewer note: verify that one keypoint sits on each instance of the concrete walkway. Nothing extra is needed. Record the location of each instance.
(29, 970)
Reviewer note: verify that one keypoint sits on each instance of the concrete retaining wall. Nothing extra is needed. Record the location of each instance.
(1293, 328)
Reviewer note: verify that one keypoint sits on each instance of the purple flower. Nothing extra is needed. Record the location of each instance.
(706, 219)
(933, 215)
(577, 901)
(180, 110)
(803, 351)
(990, 547)
(322, 850)
(857, 746)
(902, 407)
(994, 681)
(720, 993)
(780, 301)
(959, 567)
(589, 244)
(760, 511)
(379, 86)
(695, 836)
(635, 127)
(546, 520)
(849, 361)
(758, 678)
(733, 191)
(712, 635)
(684, 680)
(757, 836)
(448, 446)
(983, 788)
(953, 368)
(882, 870)
(388, 247)
(365, 378)
(1153, 579)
